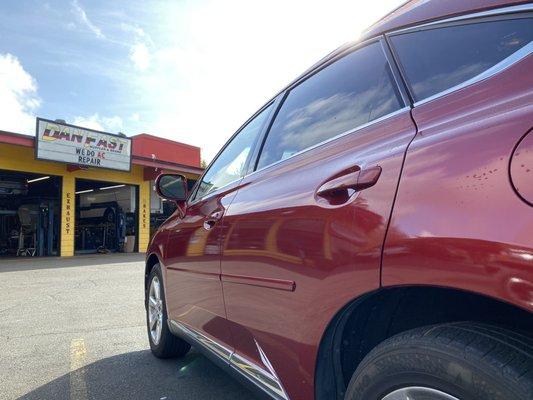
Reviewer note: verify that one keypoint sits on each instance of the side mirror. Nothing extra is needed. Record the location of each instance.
(172, 187)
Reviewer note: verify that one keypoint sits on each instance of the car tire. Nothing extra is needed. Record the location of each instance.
(162, 342)
(464, 361)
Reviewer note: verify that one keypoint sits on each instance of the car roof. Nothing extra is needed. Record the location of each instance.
(418, 11)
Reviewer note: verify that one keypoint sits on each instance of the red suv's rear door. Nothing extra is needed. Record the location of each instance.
(303, 235)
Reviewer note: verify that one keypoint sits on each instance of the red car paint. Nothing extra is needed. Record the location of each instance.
(457, 221)
(322, 248)
(284, 259)
(521, 167)
(192, 263)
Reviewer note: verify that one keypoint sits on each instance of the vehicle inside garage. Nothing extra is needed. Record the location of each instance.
(29, 214)
(106, 217)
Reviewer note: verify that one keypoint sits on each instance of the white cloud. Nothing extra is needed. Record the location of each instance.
(80, 13)
(135, 117)
(132, 29)
(109, 124)
(140, 55)
(91, 122)
(113, 124)
(139, 52)
(18, 96)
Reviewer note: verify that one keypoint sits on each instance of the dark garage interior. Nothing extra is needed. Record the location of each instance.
(29, 214)
(106, 217)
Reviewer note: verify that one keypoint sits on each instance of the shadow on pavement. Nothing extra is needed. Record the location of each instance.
(32, 263)
(139, 375)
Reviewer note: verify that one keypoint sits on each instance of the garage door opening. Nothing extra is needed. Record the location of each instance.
(29, 214)
(106, 217)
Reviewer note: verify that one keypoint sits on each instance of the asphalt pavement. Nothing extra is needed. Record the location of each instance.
(74, 328)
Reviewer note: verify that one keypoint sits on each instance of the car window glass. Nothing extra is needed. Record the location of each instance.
(437, 59)
(230, 164)
(352, 91)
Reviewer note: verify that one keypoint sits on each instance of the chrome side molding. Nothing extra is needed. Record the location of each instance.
(265, 380)
(268, 381)
(213, 346)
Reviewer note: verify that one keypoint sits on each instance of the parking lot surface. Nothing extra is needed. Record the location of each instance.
(74, 329)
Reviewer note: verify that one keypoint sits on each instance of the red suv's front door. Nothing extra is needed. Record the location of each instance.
(303, 235)
(193, 288)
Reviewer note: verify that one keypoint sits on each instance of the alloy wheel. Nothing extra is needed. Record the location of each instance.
(418, 393)
(155, 310)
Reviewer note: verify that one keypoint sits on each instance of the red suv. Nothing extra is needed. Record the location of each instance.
(368, 233)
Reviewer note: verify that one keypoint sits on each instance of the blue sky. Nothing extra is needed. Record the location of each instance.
(191, 71)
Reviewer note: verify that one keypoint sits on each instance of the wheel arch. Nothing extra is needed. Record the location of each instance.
(151, 261)
(375, 316)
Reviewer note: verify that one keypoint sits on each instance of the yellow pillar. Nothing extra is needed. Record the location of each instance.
(68, 202)
(144, 215)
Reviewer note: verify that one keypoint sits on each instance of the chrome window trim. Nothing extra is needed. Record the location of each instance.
(214, 192)
(271, 102)
(251, 157)
(353, 130)
(346, 133)
(347, 51)
(514, 58)
(517, 56)
(267, 381)
(334, 56)
(489, 13)
(401, 86)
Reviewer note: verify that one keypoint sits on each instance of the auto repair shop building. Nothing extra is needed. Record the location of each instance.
(71, 190)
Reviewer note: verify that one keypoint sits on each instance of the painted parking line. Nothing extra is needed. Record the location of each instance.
(78, 384)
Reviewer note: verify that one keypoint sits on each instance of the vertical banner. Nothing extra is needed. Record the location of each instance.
(144, 215)
(68, 202)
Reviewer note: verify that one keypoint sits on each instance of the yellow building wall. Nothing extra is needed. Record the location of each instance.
(20, 158)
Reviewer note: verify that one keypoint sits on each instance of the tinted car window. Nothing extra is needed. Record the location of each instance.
(350, 92)
(229, 165)
(438, 59)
